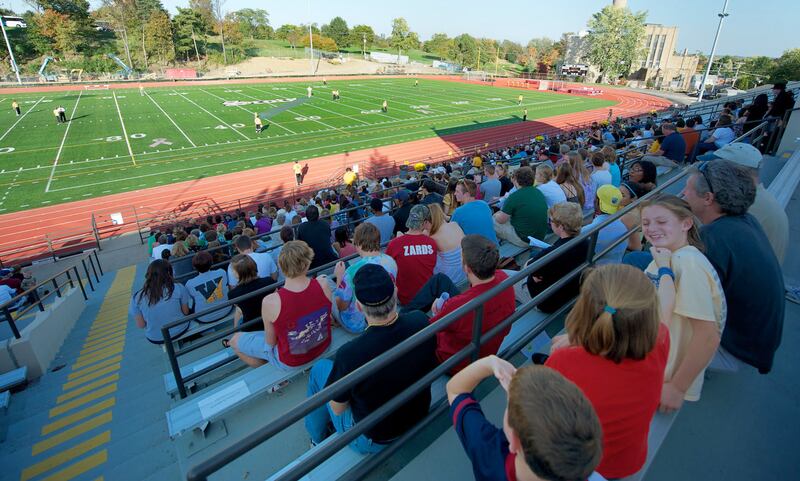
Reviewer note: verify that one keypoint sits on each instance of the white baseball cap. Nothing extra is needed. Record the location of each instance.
(738, 152)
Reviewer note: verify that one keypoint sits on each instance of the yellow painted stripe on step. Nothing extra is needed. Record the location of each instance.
(77, 416)
(65, 456)
(68, 406)
(101, 345)
(104, 339)
(89, 377)
(94, 367)
(80, 467)
(86, 388)
(108, 320)
(99, 355)
(70, 433)
(94, 335)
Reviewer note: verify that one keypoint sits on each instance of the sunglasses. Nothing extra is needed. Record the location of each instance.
(702, 169)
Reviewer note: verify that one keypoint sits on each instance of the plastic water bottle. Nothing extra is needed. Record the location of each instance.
(439, 302)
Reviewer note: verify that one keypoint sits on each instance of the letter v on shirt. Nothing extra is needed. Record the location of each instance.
(418, 250)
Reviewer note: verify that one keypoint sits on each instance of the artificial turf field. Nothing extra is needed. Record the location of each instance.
(119, 140)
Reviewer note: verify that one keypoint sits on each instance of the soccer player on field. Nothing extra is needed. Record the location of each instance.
(62, 114)
(416, 83)
(324, 82)
(519, 99)
(385, 107)
(259, 125)
(308, 89)
(57, 115)
(15, 106)
(524, 115)
(141, 90)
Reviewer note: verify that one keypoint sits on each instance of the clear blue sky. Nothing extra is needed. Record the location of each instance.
(765, 27)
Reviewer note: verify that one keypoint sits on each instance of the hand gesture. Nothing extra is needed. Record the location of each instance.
(338, 271)
(502, 370)
(558, 342)
(662, 256)
(671, 398)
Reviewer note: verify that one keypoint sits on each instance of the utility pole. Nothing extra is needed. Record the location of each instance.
(310, 40)
(713, 50)
(736, 74)
(364, 45)
(478, 60)
(496, 60)
(10, 52)
(196, 51)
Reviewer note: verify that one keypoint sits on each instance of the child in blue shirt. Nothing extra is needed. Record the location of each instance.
(550, 430)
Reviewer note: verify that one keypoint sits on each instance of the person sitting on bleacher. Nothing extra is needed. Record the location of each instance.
(297, 318)
(672, 149)
(566, 220)
(247, 309)
(160, 246)
(607, 203)
(547, 185)
(524, 213)
(448, 237)
(266, 267)
(473, 216)
(209, 288)
(367, 240)
(160, 301)
(615, 350)
(415, 254)
(719, 193)
(376, 297)
(696, 316)
(317, 234)
(550, 430)
(479, 259)
(720, 137)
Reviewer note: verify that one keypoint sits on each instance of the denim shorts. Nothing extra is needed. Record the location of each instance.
(254, 344)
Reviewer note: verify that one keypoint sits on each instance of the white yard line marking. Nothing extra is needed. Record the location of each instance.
(61, 147)
(20, 119)
(209, 113)
(322, 108)
(170, 119)
(124, 131)
(251, 112)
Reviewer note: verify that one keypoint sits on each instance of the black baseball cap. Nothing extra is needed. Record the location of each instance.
(373, 286)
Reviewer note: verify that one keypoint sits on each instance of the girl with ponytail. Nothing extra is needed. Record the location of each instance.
(696, 316)
(616, 350)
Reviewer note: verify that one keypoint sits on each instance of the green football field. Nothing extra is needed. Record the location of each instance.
(121, 140)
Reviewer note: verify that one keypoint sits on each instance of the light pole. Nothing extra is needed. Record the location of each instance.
(713, 50)
(310, 40)
(10, 53)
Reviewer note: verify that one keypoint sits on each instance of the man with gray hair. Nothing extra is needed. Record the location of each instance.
(376, 297)
(766, 208)
(415, 254)
(720, 192)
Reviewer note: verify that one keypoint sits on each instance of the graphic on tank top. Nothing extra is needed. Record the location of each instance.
(310, 331)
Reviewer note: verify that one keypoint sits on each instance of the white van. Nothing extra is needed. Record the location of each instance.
(14, 22)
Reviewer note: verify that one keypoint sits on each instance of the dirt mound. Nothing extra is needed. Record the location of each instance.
(257, 66)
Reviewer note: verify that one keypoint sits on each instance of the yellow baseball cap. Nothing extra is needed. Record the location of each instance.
(419, 166)
(609, 197)
(477, 161)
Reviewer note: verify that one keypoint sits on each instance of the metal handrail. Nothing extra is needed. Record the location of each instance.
(6, 307)
(202, 470)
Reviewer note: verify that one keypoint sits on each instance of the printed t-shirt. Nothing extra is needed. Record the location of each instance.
(353, 319)
(415, 255)
(209, 289)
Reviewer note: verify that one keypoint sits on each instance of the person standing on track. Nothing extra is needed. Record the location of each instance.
(385, 107)
(15, 106)
(298, 173)
(259, 124)
(524, 115)
(519, 99)
(62, 114)
(308, 89)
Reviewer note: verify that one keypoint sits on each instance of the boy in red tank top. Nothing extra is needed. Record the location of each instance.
(297, 317)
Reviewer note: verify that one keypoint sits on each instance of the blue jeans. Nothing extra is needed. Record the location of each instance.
(317, 421)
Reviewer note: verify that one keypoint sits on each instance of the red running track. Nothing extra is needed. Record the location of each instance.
(227, 188)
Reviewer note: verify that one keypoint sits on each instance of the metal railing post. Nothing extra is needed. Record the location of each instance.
(95, 232)
(56, 288)
(37, 299)
(11, 323)
(138, 225)
(69, 278)
(173, 362)
(80, 283)
(477, 328)
(99, 267)
(86, 271)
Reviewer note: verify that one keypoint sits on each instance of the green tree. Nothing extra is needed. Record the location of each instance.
(284, 30)
(402, 37)
(337, 30)
(158, 37)
(359, 33)
(615, 40)
(190, 31)
(463, 50)
(787, 66)
(206, 10)
(439, 45)
(511, 51)
(253, 23)
(321, 42)
(295, 36)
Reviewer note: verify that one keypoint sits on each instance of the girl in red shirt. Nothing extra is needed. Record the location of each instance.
(616, 350)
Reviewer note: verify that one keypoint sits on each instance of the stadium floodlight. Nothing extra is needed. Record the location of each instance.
(713, 50)
(14, 65)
